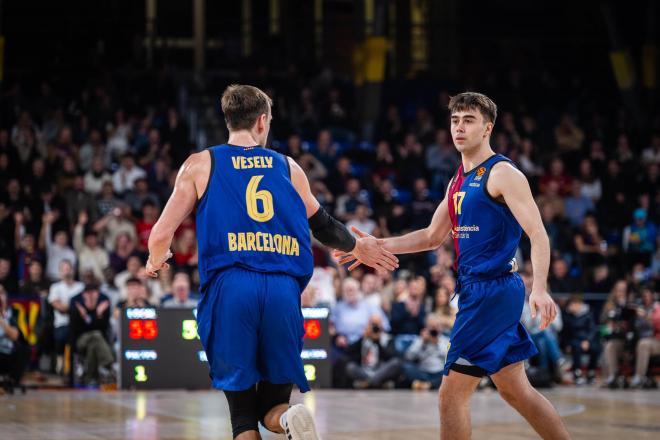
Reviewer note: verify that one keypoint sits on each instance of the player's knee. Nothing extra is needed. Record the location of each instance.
(514, 393)
(451, 397)
(269, 396)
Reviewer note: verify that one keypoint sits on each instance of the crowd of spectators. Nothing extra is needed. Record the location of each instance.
(83, 179)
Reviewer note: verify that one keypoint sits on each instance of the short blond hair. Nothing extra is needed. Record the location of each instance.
(243, 104)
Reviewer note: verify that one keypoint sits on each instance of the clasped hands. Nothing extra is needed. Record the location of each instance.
(369, 251)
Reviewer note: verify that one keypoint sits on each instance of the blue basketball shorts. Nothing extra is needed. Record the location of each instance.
(251, 326)
(488, 332)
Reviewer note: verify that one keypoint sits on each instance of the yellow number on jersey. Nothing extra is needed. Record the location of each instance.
(458, 201)
(251, 197)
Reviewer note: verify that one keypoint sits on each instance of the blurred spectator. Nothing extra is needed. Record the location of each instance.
(371, 291)
(408, 315)
(140, 196)
(443, 310)
(115, 223)
(92, 256)
(59, 297)
(550, 359)
(568, 136)
(582, 337)
(556, 174)
(91, 151)
(133, 265)
(639, 238)
(77, 200)
(371, 360)
(648, 344)
(617, 321)
(96, 177)
(150, 213)
(37, 285)
(347, 203)
(180, 293)
(137, 295)
(90, 323)
(441, 159)
(591, 247)
(384, 167)
(7, 278)
(351, 315)
(124, 178)
(577, 205)
(590, 184)
(601, 280)
(14, 353)
(176, 134)
(651, 154)
(362, 221)
(421, 207)
(322, 280)
(560, 279)
(185, 249)
(426, 355)
(106, 201)
(57, 250)
(326, 151)
(528, 161)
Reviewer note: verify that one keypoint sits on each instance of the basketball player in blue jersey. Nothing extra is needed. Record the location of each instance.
(254, 212)
(487, 203)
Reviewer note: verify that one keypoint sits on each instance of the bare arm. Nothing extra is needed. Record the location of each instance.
(511, 184)
(367, 250)
(425, 239)
(301, 184)
(178, 207)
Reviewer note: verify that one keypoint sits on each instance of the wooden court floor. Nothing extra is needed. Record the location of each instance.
(590, 413)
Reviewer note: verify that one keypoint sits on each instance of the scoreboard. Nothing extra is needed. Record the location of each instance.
(160, 348)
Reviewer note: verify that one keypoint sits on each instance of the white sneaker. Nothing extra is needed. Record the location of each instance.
(298, 424)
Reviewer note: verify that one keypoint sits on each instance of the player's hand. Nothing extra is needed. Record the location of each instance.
(152, 267)
(543, 303)
(368, 251)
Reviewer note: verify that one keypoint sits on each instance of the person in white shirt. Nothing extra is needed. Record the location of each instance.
(57, 250)
(59, 297)
(124, 178)
(96, 176)
(92, 256)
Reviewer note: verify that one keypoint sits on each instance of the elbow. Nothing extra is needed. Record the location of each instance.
(433, 240)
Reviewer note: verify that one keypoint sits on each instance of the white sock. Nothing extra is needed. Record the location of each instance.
(283, 420)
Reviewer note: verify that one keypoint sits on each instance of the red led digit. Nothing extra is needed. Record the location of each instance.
(312, 329)
(150, 329)
(135, 329)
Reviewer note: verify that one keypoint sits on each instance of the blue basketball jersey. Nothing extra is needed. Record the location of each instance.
(252, 217)
(486, 234)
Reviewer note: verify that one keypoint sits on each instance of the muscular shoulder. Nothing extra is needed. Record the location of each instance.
(503, 177)
(196, 169)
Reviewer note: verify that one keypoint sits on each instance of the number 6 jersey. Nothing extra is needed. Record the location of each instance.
(251, 216)
(485, 232)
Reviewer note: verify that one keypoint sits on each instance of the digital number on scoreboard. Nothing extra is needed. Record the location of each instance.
(160, 348)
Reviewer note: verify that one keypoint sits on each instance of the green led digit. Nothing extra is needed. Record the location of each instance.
(141, 373)
(189, 329)
(310, 372)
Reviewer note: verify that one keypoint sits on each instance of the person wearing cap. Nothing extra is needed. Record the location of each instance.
(90, 323)
(639, 238)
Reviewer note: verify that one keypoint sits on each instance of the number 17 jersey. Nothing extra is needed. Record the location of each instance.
(251, 216)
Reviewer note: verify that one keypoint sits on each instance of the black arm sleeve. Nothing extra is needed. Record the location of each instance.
(330, 232)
